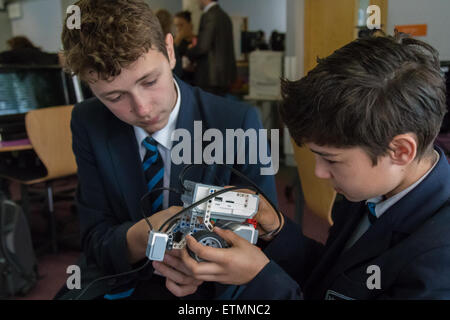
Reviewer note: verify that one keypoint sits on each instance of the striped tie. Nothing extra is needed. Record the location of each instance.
(154, 173)
(371, 212)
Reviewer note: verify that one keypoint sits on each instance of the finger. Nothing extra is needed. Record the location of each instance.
(176, 263)
(199, 268)
(180, 290)
(209, 254)
(172, 274)
(174, 252)
(229, 236)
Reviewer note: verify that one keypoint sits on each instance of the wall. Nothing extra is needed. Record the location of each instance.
(266, 15)
(435, 13)
(173, 6)
(6, 32)
(41, 22)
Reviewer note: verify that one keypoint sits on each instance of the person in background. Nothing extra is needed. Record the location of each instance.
(213, 54)
(165, 19)
(23, 51)
(184, 38)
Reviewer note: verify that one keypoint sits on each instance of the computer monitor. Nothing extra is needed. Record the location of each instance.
(24, 88)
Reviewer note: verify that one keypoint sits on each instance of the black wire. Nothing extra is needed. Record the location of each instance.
(151, 228)
(244, 177)
(195, 204)
(148, 194)
(254, 187)
(112, 276)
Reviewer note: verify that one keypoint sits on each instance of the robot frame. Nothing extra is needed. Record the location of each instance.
(230, 209)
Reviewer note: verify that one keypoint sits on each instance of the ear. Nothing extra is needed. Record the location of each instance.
(170, 50)
(403, 149)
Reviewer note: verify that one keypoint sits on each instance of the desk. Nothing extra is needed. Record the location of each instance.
(15, 145)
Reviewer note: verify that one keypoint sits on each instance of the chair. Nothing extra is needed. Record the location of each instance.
(48, 130)
(319, 195)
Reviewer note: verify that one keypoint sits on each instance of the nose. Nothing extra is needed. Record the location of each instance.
(321, 170)
(140, 107)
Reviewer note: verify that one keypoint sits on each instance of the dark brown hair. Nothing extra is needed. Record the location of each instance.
(20, 42)
(165, 19)
(186, 15)
(113, 35)
(365, 94)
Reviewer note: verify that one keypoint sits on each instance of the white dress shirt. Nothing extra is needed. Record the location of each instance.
(163, 137)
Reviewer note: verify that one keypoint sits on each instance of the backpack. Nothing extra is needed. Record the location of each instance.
(18, 263)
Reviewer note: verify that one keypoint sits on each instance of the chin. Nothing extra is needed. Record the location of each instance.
(352, 198)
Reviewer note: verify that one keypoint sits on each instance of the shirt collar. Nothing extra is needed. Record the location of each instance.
(381, 205)
(209, 6)
(163, 136)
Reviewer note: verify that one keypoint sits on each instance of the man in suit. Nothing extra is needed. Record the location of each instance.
(370, 112)
(122, 143)
(214, 52)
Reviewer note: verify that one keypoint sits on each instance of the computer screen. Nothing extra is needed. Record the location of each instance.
(24, 88)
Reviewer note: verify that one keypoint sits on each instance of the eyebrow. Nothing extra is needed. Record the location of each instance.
(145, 76)
(324, 154)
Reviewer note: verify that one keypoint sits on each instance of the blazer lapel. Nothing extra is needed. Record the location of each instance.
(125, 157)
(334, 249)
(189, 112)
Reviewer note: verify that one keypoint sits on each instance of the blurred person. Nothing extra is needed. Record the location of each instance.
(165, 19)
(184, 38)
(213, 54)
(23, 51)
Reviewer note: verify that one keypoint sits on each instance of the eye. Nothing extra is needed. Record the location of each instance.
(330, 161)
(149, 84)
(116, 99)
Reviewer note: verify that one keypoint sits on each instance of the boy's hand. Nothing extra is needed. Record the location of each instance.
(236, 265)
(266, 217)
(179, 279)
(137, 234)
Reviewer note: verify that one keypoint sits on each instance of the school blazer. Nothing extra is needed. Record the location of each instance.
(409, 244)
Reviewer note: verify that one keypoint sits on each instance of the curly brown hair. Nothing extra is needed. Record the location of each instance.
(113, 35)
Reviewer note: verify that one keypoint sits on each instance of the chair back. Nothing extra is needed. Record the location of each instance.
(49, 132)
(318, 193)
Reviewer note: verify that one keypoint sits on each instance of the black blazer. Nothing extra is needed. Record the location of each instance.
(410, 243)
(214, 52)
(112, 183)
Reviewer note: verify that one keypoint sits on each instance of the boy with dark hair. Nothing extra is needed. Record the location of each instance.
(370, 112)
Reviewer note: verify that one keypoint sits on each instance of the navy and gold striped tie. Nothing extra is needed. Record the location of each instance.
(154, 173)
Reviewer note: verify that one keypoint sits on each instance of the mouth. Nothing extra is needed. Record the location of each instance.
(151, 121)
